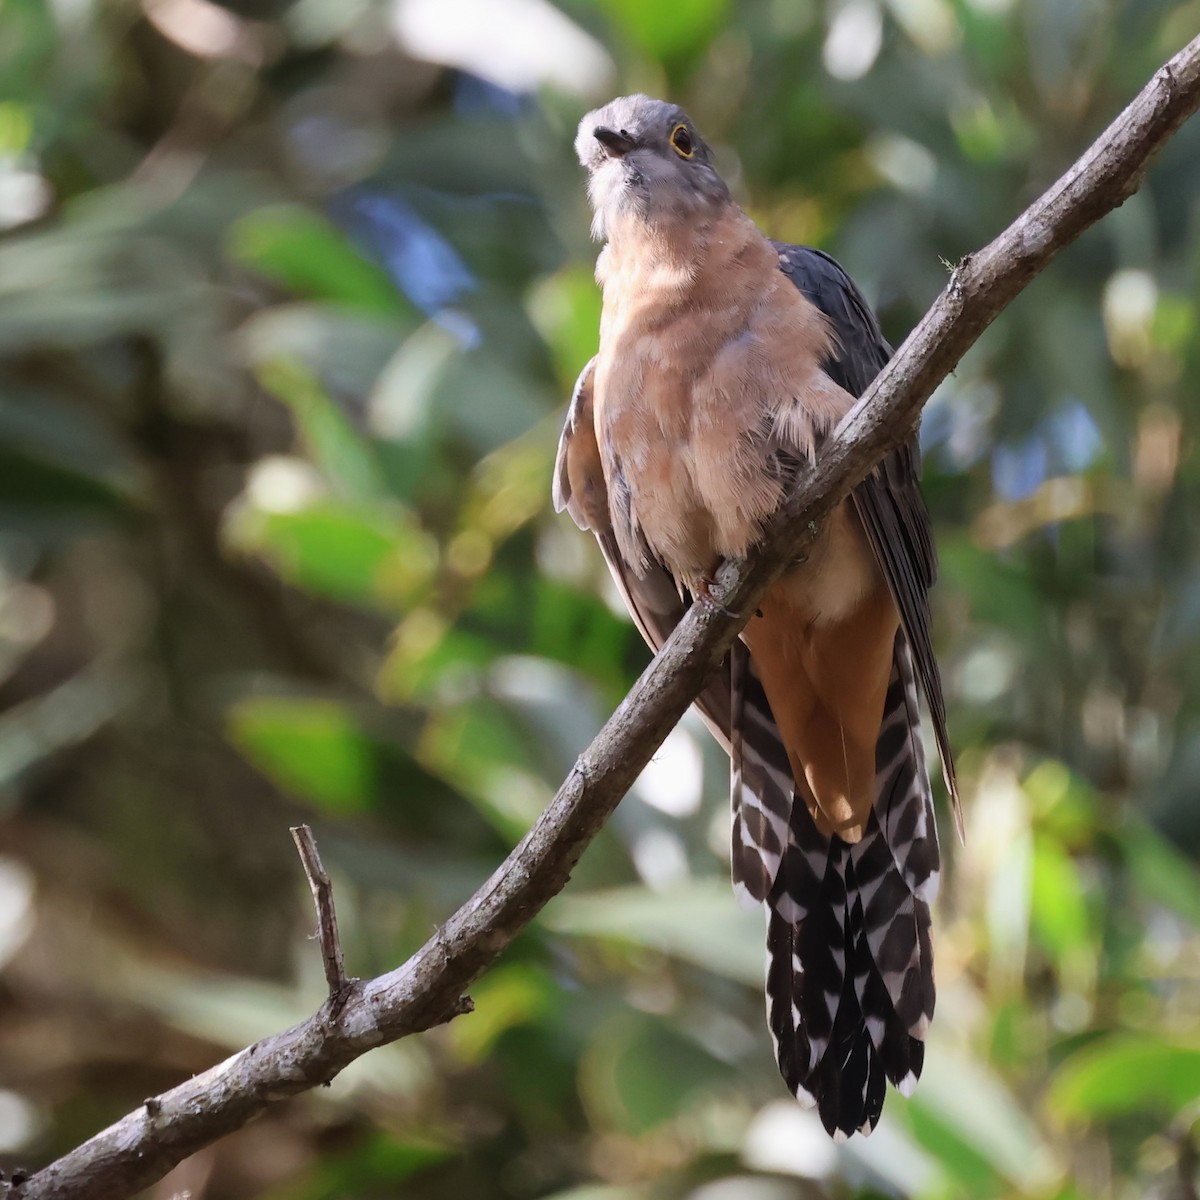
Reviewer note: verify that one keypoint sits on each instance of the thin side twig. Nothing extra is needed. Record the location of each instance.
(428, 989)
(330, 942)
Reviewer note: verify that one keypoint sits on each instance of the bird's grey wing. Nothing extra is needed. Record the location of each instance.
(888, 501)
(733, 703)
(579, 487)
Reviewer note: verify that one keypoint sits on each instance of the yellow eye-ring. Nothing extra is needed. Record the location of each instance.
(681, 141)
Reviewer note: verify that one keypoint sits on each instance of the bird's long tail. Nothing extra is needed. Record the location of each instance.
(850, 989)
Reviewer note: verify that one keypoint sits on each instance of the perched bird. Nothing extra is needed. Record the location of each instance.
(724, 361)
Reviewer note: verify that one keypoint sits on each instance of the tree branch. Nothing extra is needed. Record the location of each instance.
(428, 989)
(327, 927)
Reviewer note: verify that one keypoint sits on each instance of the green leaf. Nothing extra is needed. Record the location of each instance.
(964, 1111)
(667, 30)
(353, 553)
(311, 257)
(343, 455)
(954, 1152)
(310, 748)
(402, 402)
(487, 402)
(1161, 871)
(698, 922)
(565, 308)
(1059, 913)
(76, 287)
(480, 747)
(31, 487)
(1126, 1073)
(347, 350)
(370, 1167)
(504, 998)
(1064, 803)
(579, 629)
(639, 1072)
(1000, 593)
(29, 42)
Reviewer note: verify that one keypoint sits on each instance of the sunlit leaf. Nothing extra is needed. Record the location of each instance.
(662, 31)
(566, 310)
(401, 399)
(559, 710)
(509, 996)
(311, 748)
(311, 257)
(698, 921)
(342, 453)
(372, 556)
(1059, 910)
(482, 749)
(1064, 804)
(346, 350)
(964, 1115)
(1125, 1073)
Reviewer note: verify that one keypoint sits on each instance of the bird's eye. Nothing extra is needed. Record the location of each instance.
(681, 140)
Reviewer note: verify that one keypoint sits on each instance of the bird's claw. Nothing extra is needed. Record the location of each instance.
(703, 592)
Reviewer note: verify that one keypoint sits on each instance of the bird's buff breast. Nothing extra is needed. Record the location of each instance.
(705, 371)
(678, 477)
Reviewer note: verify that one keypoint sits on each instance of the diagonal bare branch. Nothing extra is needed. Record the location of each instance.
(428, 989)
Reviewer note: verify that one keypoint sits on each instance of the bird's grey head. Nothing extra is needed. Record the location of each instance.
(644, 158)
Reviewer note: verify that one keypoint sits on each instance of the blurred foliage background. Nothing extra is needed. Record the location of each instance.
(291, 297)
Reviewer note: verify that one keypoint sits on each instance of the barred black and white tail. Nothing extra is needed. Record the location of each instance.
(761, 788)
(850, 989)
